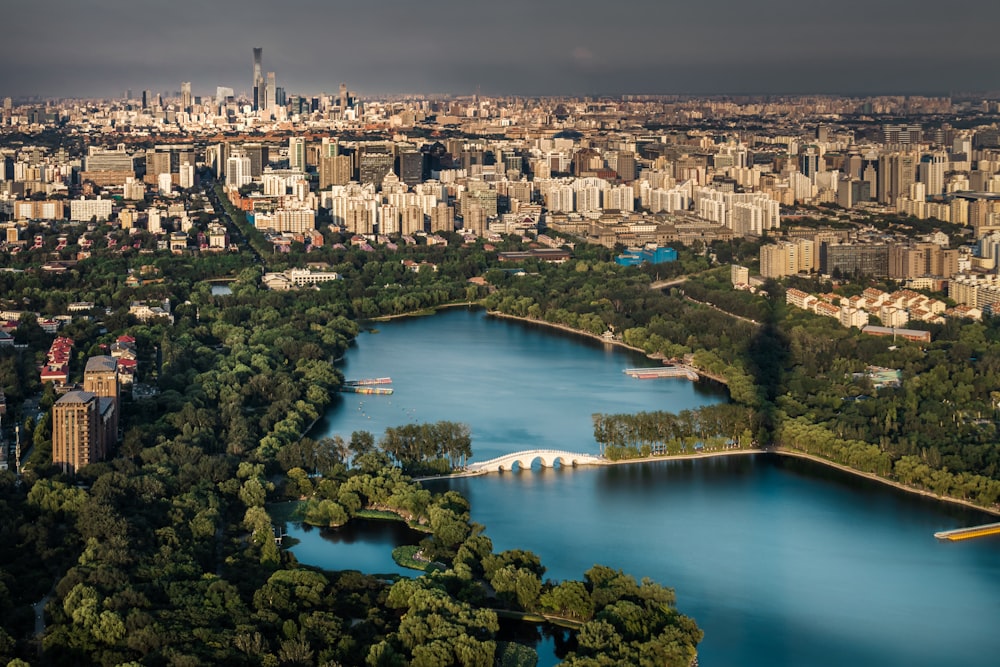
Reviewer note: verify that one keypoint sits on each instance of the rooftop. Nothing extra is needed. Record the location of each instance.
(102, 363)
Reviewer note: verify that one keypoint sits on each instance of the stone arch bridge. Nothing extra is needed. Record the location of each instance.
(524, 459)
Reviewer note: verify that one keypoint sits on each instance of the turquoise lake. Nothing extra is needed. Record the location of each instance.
(782, 562)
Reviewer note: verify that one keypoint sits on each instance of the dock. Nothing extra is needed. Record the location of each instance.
(357, 389)
(969, 533)
(664, 372)
(367, 382)
(368, 386)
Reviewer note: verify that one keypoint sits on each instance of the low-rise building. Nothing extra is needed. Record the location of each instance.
(295, 278)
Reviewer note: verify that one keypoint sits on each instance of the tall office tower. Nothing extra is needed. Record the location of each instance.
(810, 161)
(269, 96)
(329, 147)
(375, 160)
(626, 166)
(297, 153)
(343, 97)
(853, 165)
(259, 157)
(411, 167)
(218, 158)
(185, 96)
(147, 99)
(258, 78)
(902, 134)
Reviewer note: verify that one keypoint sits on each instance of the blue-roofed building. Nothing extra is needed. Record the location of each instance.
(635, 257)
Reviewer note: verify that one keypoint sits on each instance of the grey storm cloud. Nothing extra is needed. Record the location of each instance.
(541, 47)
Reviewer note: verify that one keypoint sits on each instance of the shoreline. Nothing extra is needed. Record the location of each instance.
(682, 457)
(569, 329)
(887, 482)
(749, 452)
(423, 312)
(816, 459)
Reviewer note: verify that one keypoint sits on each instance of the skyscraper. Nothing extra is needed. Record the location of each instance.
(258, 78)
(269, 96)
(185, 96)
(896, 172)
(375, 160)
(297, 153)
(411, 167)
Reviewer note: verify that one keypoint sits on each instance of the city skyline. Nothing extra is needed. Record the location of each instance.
(102, 48)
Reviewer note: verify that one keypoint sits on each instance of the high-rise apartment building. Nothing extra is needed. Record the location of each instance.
(442, 218)
(896, 172)
(297, 153)
(922, 259)
(76, 431)
(786, 258)
(85, 423)
(931, 172)
(474, 220)
(411, 220)
(238, 171)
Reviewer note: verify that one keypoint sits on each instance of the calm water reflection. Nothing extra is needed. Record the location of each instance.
(781, 562)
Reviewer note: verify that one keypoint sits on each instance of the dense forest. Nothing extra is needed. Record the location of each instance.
(803, 376)
(165, 554)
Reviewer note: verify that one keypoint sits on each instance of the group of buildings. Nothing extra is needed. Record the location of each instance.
(587, 167)
(85, 418)
(85, 421)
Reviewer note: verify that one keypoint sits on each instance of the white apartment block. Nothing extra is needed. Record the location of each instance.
(84, 210)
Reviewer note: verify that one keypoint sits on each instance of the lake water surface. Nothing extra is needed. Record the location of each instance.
(782, 562)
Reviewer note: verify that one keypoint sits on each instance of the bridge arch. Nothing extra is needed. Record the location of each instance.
(546, 461)
(524, 459)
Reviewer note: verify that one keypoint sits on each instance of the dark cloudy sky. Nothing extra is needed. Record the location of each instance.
(528, 47)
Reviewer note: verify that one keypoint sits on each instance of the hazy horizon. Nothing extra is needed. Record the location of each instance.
(99, 49)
